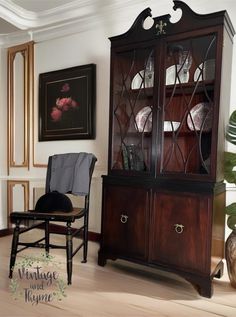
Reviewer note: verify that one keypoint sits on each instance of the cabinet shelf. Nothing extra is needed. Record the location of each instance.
(135, 134)
(185, 132)
(187, 88)
(132, 93)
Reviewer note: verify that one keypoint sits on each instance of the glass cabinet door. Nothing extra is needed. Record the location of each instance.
(188, 105)
(132, 110)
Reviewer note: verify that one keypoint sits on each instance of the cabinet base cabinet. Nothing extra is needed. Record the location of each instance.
(179, 232)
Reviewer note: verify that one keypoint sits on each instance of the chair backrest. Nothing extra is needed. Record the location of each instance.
(70, 173)
(66, 168)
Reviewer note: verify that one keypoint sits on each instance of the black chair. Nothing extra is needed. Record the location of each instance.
(63, 175)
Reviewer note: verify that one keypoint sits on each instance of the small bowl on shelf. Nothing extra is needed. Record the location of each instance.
(170, 126)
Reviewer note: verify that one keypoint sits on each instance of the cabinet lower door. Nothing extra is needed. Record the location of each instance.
(125, 218)
(181, 231)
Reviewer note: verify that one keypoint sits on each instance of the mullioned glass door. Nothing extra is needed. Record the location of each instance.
(132, 110)
(190, 67)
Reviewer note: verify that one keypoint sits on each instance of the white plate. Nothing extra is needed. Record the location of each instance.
(171, 126)
(138, 80)
(171, 75)
(205, 71)
(200, 114)
(144, 119)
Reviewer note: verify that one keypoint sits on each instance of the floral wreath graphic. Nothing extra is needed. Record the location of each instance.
(31, 294)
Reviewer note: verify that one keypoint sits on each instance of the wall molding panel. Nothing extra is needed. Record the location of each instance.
(13, 196)
(20, 98)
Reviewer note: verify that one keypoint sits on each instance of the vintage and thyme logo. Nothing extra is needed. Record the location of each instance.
(36, 280)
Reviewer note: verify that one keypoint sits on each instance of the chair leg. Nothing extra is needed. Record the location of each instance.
(69, 248)
(85, 238)
(47, 237)
(14, 247)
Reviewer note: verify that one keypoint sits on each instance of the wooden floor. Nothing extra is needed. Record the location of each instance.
(118, 289)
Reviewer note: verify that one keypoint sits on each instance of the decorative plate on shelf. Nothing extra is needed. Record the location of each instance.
(171, 75)
(171, 126)
(142, 78)
(200, 117)
(205, 71)
(138, 80)
(144, 119)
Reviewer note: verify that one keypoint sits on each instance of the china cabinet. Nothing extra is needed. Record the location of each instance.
(164, 196)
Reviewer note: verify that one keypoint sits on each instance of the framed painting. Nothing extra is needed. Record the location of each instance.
(67, 101)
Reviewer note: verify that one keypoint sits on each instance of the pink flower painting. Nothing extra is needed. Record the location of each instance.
(65, 87)
(63, 104)
(56, 114)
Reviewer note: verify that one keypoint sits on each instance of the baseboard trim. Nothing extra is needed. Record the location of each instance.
(92, 236)
(5, 232)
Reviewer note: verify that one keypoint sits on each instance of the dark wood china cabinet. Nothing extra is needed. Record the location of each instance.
(164, 196)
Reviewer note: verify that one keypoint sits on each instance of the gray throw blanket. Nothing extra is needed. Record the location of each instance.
(70, 173)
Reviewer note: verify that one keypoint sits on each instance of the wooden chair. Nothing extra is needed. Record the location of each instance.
(33, 219)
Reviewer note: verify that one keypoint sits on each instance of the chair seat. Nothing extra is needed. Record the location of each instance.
(52, 216)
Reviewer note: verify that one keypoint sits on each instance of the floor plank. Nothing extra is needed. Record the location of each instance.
(118, 289)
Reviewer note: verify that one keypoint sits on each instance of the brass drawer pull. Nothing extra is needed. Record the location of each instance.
(123, 218)
(179, 228)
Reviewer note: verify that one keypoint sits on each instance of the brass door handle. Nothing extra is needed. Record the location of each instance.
(123, 218)
(179, 228)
